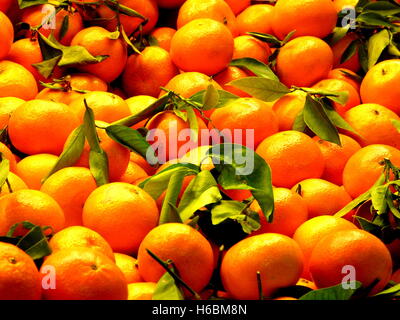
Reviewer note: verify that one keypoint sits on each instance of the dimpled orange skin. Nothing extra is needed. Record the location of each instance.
(40, 126)
(202, 45)
(217, 10)
(365, 166)
(145, 73)
(290, 211)
(358, 248)
(337, 85)
(7, 106)
(255, 18)
(163, 35)
(96, 40)
(373, 123)
(6, 35)
(336, 157)
(249, 47)
(84, 274)
(190, 252)
(29, 205)
(70, 187)
(246, 114)
(19, 277)
(287, 109)
(322, 197)
(313, 230)
(292, 156)
(304, 61)
(78, 236)
(230, 74)
(278, 258)
(16, 184)
(308, 17)
(380, 85)
(128, 266)
(122, 213)
(16, 81)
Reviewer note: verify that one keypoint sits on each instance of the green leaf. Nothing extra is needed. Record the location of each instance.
(133, 140)
(374, 19)
(382, 7)
(337, 119)
(210, 98)
(318, 121)
(241, 168)
(340, 97)
(269, 38)
(376, 44)
(167, 289)
(392, 291)
(71, 153)
(261, 88)
(363, 56)
(168, 210)
(157, 184)
(396, 124)
(98, 160)
(4, 170)
(128, 41)
(75, 55)
(332, 293)
(224, 98)
(288, 37)
(393, 49)
(350, 51)
(299, 124)
(30, 3)
(34, 243)
(46, 67)
(368, 225)
(338, 34)
(64, 27)
(193, 124)
(259, 68)
(378, 197)
(201, 191)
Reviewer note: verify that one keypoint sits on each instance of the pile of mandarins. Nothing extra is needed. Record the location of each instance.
(63, 63)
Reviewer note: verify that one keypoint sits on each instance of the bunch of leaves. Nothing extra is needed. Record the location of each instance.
(318, 114)
(373, 26)
(383, 201)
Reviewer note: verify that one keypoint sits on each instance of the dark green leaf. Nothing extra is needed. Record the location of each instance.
(269, 38)
(318, 122)
(382, 7)
(35, 244)
(336, 119)
(259, 68)
(64, 27)
(376, 44)
(167, 289)
(71, 153)
(338, 34)
(46, 67)
(261, 88)
(374, 19)
(350, 51)
(332, 293)
(168, 210)
(363, 56)
(299, 124)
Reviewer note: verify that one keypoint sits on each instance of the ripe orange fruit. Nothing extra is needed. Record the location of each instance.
(80, 237)
(217, 10)
(337, 85)
(339, 48)
(365, 166)
(78, 81)
(16, 184)
(250, 47)
(128, 266)
(163, 35)
(29, 205)
(190, 252)
(246, 114)
(133, 173)
(304, 61)
(117, 154)
(6, 35)
(137, 104)
(147, 8)
(141, 290)
(287, 109)
(315, 193)
(19, 277)
(167, 136)
(70, 187)
(142, 162)
(31, 123)
(312, 231)
(277, 257)
(7, 154)
(230, 74)
(290, 211)
(122, 213)
(238, 6)
(345, 75)
(255, 18)
(5, 5)
(188, 83)
(84, 274)
(357, 248)
(341, 4)
(292, 156)
(16, 81)
(336, 157)
(317, 18)
(34, 17)
(98, 42)
(106, 106)
(33, 169)
(7, 107)
(202, 45)
(379, 85)
(145, 73)
(374, 123)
